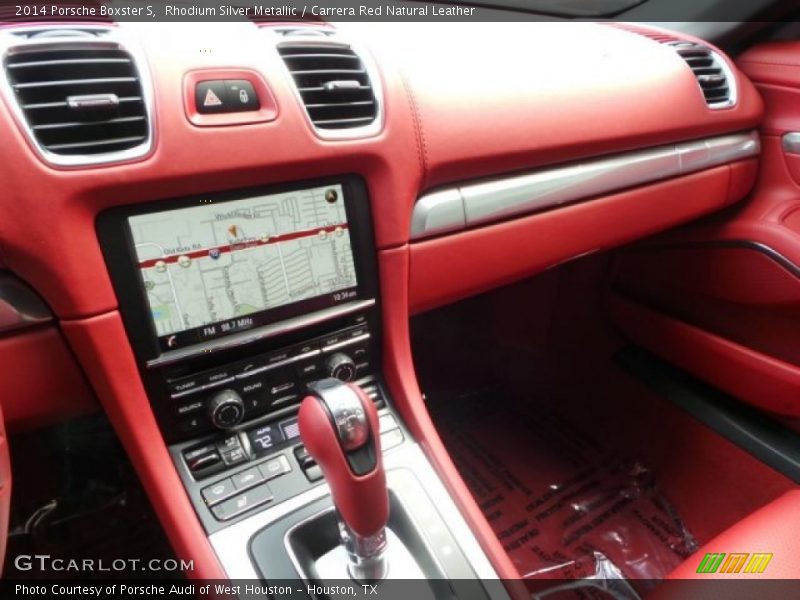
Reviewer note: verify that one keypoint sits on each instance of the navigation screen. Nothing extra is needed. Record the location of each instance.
(219, 268)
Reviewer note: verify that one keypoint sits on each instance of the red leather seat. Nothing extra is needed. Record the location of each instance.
(773, 529)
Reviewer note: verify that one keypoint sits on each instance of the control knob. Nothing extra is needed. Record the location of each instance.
(342, 367)
(226, 409)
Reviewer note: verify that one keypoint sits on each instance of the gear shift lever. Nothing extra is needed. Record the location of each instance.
(339, 427)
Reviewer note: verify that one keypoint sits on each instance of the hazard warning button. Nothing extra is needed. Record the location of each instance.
(212, 97)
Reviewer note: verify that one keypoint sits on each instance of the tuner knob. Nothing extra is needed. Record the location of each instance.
(342, 367)
(226, 409)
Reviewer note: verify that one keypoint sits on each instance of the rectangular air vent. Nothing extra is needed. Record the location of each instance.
(334, 84)
(709, 70)
(82, 102)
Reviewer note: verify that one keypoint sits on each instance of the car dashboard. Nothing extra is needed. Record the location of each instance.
(218, 214)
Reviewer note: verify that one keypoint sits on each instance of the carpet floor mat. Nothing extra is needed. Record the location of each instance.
(564, 508)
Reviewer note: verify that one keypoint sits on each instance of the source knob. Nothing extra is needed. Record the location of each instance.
(341, 366)
(226, 409)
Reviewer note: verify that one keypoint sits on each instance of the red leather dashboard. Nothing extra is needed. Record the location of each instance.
(450, 115)
(456, 108)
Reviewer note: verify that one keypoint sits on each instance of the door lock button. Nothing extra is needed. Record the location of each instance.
(241, 95)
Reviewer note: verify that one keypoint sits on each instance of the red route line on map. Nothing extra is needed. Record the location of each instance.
(285, 237)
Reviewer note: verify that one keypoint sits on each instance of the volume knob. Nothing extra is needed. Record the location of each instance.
(226, 409)
(341, 366)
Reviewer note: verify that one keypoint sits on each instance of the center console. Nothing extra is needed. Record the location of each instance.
(237, 305)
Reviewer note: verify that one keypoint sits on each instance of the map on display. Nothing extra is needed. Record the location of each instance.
(210, 266)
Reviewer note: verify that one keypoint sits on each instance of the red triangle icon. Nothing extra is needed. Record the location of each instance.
(211, 99)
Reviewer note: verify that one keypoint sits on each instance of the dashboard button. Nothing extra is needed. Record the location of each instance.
(203, 461)
(215, 377)
(247, 479)
(391, 439)
(234, 456)
(231, 450)
(357, 332)
(248, 368)
(241, 95)
(187, 409)
(275, 467)
(303, 457)
(386, 422)
(242, 502)
(218, 491)
(256, 405)
(359, 351)
(252, 386)
(184, 386)
(285, 401)
(362, 366)
(282, 384)
(306, 348)
(211, 97)
(308, 369)
(192, 424)
(334, 339)
(278, 357)
(313, 473)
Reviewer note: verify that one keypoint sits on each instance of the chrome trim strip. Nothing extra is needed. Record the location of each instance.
(106, 37)
(791, 142)
(484, 202)
(20, 306)
(232, 543)
(503, 198)
(261, 333)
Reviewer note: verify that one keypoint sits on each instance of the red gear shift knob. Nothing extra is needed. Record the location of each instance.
(339, 427)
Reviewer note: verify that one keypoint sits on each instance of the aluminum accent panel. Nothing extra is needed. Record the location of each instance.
(478, 203)
(438, 212)
(495, 200)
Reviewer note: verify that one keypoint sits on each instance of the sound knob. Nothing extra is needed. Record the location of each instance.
(341, 366)
(226, 409)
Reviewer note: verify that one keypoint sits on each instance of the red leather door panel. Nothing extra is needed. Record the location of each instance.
(734, 279)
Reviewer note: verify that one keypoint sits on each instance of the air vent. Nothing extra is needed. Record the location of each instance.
(709, 70)
(716, 80)
(83, 102)
(335, 86)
